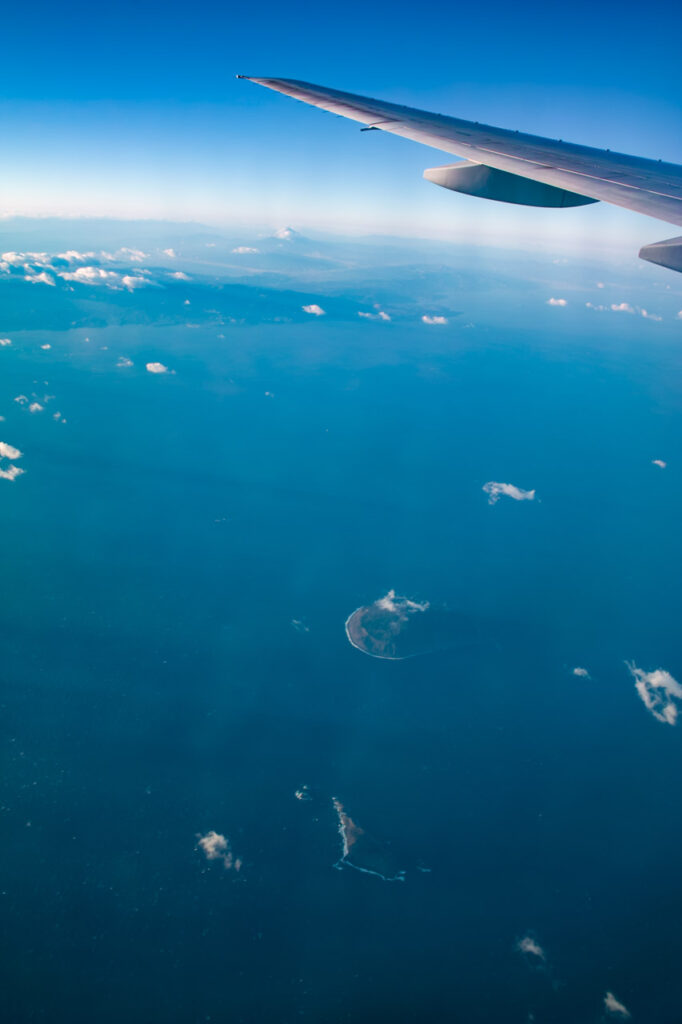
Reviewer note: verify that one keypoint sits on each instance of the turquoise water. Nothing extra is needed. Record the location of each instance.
(159, 551)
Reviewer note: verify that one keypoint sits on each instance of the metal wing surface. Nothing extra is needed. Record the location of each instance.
(515, 167)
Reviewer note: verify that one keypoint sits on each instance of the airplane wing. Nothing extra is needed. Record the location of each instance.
(513, 167)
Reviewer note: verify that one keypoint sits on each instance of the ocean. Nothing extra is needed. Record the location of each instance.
(179, 559)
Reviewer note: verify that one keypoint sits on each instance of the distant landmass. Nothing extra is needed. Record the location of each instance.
(362, 852)
(395, 628)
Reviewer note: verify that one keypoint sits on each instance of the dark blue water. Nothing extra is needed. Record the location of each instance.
(155, 553)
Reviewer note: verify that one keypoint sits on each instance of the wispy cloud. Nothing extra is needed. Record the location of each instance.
(557, 302)
(624, 307)
(531, 948)
(658, 691)
(4, 342)
(124, 361)
(285, 234)
(179, 276)
(217, 847)
(659, 462)
(41, 278)
(313, 309)
(614, 1006)
(496, 490)
(380, 315)
(10, 473)
(171, 253)
(245, 250)
(441, 320)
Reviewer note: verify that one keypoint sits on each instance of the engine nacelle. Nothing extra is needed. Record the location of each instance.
(474, 179)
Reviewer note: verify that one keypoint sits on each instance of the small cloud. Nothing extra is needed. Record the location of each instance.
(179, 276)
(599, 309)
(613, 1006)
(529, 947)
(92, 276)
(131, 282)
(8, 451)
(650, 316)
(374, 316)
(303, 793)
(285, 234)
(313, 309)
(73, 256)
(557, 302)
(186, 302)
(4, 342)
(622, 307)
(659, 462)
(300, 626)
(247, 250)
(600, 284)
(170, 253)
(217, 847)
(41, 278)
(679, 315)
(495, 490)
(124, 361)
(11, 473)
(21, 399)
(46, 347)
(157, 368)
(434, 319)
(35, 407)
(582, 673)
(658, 691)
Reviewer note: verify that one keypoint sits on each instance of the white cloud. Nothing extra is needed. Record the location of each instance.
(285, 233)
(8, 451)
(21, 399)
(495, 490)
(11, 473)
(401, 606)
(612, 1005)
(35, 407)
(171, 253)
(4, 342)
(134, 255)
(650, 316)
(659, 462)
(530, 947)
(157, 368)
(91, 275)
(658, 691)
(248, 250)
(556, 302)
(375, 316)
(581, 672)
(124, 361)
(179, 276)
(313, 309)
(131, 282)
(72, 256)
(217, 847)
(434, 319)
(41, 278)
(46, 347)
(622, 307)
(600, 284)
(679, 315)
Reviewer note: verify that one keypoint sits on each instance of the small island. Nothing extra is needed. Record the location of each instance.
(396, 627)
(362, 852)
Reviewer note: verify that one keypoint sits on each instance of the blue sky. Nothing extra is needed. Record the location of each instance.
(134, 110)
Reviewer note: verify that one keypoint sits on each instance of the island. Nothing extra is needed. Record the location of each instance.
(395, 628)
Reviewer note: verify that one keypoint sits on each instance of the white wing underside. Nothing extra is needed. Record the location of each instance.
(650, 187)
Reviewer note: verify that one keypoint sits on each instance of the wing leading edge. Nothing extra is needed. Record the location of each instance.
(514, 167)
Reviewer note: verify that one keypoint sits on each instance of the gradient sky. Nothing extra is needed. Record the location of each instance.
(133, 110)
